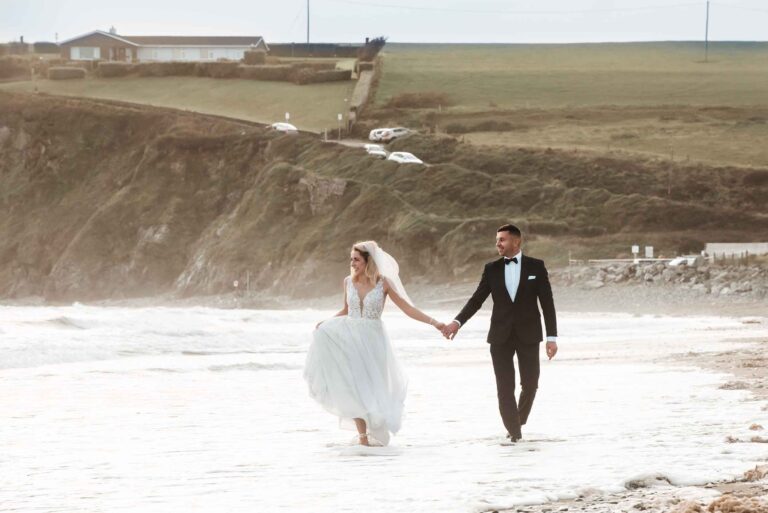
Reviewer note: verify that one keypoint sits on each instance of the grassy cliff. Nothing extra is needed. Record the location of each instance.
(100, 200)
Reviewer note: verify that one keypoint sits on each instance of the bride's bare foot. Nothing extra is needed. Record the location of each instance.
(363, 437)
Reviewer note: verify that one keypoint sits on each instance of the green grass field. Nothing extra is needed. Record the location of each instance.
(643, 100)
(312, 107)
(519, 76)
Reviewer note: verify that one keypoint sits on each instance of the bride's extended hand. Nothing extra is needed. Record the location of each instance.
(440, 326)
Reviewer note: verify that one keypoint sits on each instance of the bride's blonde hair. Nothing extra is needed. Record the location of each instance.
(371, 272)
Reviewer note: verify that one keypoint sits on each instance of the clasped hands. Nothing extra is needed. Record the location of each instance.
(448, 330)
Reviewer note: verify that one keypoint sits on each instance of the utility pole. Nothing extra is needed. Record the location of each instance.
(706, 36)
(308, 20)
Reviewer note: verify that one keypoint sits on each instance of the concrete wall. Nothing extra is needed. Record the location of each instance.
(736, 248)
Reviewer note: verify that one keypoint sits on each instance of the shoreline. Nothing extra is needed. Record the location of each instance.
(747, 368)
(638, 299)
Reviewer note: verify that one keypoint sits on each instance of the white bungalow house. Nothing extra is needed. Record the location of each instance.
(110, 46)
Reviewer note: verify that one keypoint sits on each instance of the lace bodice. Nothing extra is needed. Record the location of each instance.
(372, 303)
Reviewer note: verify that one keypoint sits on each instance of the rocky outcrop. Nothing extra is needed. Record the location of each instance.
(714, 280)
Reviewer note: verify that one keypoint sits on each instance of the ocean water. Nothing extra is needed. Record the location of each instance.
(205, 410)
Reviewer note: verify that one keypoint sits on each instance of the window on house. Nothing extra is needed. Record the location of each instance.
(86, 53)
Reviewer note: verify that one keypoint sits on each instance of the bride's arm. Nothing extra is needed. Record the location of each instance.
(408, 309)
(344, 311)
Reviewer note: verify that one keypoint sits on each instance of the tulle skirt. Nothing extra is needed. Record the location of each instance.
(352, 372)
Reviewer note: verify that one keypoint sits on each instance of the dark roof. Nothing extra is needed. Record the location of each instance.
(195, 40)
(175, 40)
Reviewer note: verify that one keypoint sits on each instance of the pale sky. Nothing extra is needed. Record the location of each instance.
(452, 21)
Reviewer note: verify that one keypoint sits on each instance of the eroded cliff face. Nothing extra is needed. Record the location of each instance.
(101, 200)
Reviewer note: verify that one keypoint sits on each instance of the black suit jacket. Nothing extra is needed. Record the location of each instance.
(521, 316)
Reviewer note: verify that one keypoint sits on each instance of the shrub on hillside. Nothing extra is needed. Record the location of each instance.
(41, 66)
(688, 245)
(457, 128)
(371, 48)
(757, 178)
(361, 66)
(86, 65)
(591, 231)
(166, 69)
(310, 76)
(65, 73)
(13, 67)
(255, 57)
(279, 72)
(490, 125)
(45, 47)
(421, 100)
(219, 69)
(314, 65)
(114, 69)
(548, 227)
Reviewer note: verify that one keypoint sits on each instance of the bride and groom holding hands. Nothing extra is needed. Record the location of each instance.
(351, 368)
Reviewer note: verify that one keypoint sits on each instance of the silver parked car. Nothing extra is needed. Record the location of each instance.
(394, 133)
(376, 150)
(376, 133)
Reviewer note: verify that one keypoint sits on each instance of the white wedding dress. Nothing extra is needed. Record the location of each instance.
(351, 368)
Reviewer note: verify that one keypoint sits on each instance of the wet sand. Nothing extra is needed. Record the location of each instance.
(749, 368)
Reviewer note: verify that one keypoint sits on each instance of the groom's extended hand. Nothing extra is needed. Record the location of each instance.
(450, 330)
(551, 349)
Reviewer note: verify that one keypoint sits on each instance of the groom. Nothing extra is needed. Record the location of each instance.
(516, 282)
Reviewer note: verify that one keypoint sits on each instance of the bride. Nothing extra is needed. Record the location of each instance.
(351, 368)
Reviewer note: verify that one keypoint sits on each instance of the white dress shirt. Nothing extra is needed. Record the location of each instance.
(512, 275)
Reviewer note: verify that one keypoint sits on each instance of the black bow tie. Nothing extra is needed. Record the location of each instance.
(508, 260)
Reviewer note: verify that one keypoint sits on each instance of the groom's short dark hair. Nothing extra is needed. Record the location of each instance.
(511, 228)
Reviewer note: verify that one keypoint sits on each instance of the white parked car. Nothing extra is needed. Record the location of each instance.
(376, 150)
(375, 134)
(683, 260)
(394, 133)
(403, 157)
(284, 127)
(382, 154)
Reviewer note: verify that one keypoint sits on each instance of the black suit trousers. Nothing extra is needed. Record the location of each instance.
(514, 414)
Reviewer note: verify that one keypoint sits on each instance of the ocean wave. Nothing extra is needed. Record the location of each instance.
(215, 353)
(61, 322)
(253, 366)
(179, 334)
(647, 481)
